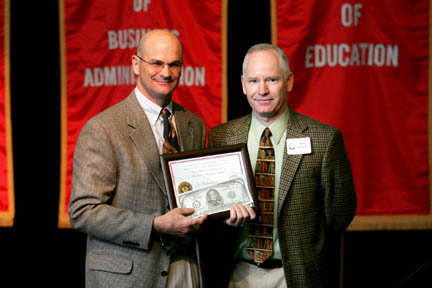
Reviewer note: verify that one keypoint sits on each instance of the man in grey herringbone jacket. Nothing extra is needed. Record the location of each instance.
(118, 194)
(315, 196)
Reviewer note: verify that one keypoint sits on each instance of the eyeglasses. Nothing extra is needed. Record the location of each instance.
(158, 66)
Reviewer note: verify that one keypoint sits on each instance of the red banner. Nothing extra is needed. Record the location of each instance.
(7, 200)
(363, 67)
(98, 40)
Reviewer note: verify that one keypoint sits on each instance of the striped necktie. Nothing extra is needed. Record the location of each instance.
(170, 143)
(260, 237)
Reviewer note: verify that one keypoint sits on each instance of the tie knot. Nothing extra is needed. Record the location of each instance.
(267, 133)
(165, 113)
(265, 138)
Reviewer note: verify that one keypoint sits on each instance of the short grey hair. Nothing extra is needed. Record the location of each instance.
(283, 59)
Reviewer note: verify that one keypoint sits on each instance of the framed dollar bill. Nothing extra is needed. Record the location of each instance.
(210, 181)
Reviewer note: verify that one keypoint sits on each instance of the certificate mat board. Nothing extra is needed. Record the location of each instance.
(210, 181)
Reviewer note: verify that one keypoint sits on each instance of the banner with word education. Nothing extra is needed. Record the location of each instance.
(7, 197)
(98, 39)
(363, 67)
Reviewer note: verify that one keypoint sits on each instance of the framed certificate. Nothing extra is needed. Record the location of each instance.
(210, 181)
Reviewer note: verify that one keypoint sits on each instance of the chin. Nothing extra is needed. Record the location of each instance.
(266, 112)
(164, 90)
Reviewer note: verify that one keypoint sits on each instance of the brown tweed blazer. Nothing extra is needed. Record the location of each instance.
(118, 188)
(317, 200)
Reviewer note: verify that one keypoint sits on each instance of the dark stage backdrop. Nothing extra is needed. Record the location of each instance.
(48, 255)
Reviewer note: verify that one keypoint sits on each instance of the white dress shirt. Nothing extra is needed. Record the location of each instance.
(152, 111)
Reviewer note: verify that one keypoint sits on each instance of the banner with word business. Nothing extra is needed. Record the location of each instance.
(98, 39)
(363, 67)
(7, 197)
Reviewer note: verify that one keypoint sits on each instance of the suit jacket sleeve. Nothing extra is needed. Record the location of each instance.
(92, 206)
(337, 182)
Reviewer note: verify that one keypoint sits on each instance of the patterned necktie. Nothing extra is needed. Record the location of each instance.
(170, 143)
(260, 238)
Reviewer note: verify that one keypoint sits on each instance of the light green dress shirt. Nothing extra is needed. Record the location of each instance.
(278, 130)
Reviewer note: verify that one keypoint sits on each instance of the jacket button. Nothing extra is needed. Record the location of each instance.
(164, 273)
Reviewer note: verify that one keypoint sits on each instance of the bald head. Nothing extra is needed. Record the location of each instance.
(158, 65)
(159, 37)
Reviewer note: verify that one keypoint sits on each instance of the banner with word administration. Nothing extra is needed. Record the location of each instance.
(363, 66)
(7, 199)
(98, 39)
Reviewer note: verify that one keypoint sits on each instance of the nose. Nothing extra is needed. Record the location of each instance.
(263, 89)
(165, 72)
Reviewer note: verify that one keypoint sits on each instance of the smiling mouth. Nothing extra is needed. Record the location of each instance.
(164, 81)
(263, 100)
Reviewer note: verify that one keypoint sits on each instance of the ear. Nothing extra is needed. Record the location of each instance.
(243, 84)
(290, 81)
(135, 64)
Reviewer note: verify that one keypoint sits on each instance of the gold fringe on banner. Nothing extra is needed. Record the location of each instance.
(7, 218)
(63, 217)
(224, 117)
(273, 23)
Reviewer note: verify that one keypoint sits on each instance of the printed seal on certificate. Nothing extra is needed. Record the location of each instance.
(184, 187)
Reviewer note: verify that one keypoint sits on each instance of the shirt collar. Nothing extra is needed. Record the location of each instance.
(277, 128)
(151, 109)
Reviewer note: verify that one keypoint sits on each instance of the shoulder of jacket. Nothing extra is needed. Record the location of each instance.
(181, 110)
(232, 125)
(314, 124)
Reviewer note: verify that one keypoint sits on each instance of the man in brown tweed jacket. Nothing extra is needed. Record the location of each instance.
(118, 194)
(314, 197)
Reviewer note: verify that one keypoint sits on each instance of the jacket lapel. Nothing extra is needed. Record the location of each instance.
(295, 129)
(142, 136)
(184, 130)
(290, 163)
(240, 132)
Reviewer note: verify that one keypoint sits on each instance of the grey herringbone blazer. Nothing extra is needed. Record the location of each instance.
(117, 189)
(316, 197)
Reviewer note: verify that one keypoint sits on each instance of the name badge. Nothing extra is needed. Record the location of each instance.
(299, 146)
